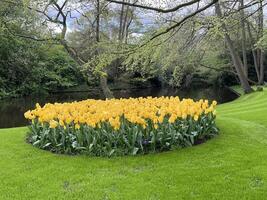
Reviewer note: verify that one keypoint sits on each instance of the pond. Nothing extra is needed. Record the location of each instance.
(12, 110)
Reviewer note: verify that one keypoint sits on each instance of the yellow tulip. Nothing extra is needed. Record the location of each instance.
(135, 110)
(53, 124)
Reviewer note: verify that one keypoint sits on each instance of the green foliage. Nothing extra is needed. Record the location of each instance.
(130, 139)
(30, 67)
(262, 41)
(170, 58)
(176, 79)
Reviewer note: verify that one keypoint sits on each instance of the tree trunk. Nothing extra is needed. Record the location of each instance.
(234, 55)
(243, 34)
(103, 78)
(128, 26)
(261, 80)
(121, 21)
(124, 26)
(261, 52)
(104, 86)
(254, 53)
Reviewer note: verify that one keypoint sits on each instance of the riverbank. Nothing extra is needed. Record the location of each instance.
(230, 166)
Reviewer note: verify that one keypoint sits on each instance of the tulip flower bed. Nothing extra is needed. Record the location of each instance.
(118, 127)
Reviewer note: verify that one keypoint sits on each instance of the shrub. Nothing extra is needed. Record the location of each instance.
(121, 126)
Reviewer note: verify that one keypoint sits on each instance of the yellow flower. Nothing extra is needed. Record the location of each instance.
(161, 118)
(137, 111)
(77, 126)
(53, 124)
(38, 106)
(172, 118)
(184, 116)
(29, 115)
(61, 123)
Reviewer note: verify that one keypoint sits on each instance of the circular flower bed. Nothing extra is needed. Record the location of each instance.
(121, 126)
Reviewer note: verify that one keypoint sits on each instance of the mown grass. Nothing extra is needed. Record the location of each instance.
(230, 166)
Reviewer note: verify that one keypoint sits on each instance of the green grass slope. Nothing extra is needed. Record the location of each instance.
(230, 166)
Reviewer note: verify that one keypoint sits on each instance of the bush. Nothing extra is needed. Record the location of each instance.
(121, 127)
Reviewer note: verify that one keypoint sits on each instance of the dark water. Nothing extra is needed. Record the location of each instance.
(12, 111)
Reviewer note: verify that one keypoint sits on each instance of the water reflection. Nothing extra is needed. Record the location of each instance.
(11, 111)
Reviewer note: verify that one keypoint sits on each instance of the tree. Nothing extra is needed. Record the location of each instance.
(243, 37)
(30, 65)
(235, 57)
(260, 51)
(97, 34)
(63, 13)
(240, 67)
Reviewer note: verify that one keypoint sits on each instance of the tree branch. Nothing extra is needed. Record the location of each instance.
(156, 9)
(183, 20)
(29, 37)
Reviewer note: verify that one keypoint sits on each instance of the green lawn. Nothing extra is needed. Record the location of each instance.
(231, 166)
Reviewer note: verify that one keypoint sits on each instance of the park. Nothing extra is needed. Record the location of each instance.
(131, 99)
